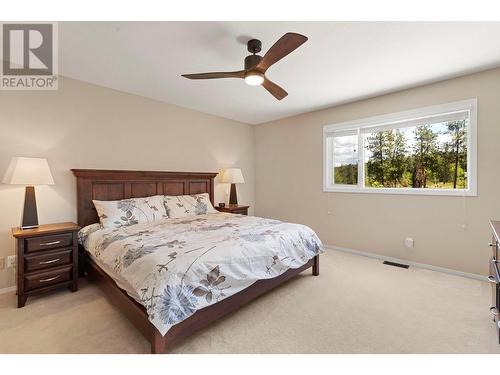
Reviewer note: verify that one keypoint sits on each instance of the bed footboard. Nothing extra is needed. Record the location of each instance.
(202, 318)
(207, 315)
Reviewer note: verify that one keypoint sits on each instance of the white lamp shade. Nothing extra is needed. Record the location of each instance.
(233, 176)
(28, 171)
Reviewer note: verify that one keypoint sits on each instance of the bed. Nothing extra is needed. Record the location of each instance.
(175, 276)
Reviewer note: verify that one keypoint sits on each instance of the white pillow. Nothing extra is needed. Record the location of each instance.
(187, 205)
(115, 214)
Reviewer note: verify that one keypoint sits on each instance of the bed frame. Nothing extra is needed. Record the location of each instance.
(114, 185)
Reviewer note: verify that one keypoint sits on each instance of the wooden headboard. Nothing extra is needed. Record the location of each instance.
(108, 185)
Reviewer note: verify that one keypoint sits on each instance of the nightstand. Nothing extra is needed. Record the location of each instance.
(47, 259)
(233, 209)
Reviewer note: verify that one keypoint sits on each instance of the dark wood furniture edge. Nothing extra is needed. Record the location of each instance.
(45, 229)
(21, 297)
(494, 275)
(137, 314)
(233, 209)
(132, 175)
(495, 226)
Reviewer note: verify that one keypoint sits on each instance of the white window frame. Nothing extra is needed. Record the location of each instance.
(469, 105)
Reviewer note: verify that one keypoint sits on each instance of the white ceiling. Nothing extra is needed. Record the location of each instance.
(341, 62)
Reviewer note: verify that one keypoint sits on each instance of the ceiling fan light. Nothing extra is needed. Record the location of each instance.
(254, 78)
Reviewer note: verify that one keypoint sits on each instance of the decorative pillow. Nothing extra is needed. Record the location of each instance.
(115, 214)
(187, 205)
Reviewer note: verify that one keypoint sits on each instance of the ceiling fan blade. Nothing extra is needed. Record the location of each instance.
(237, 74)
(286, 44)
(274, 89)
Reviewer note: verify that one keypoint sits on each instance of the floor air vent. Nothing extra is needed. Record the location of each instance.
(396, 264)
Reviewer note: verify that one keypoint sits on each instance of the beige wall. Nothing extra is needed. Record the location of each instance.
(86, 126)
(289, 166)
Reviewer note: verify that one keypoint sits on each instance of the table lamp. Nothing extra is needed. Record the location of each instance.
(233, 176)
(29, 172)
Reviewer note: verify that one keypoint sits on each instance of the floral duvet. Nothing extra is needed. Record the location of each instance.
(179, 266)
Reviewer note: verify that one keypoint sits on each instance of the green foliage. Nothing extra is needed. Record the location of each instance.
(426, 164)
(457, 130)
(388, 163)
(424, 155)
(346, 174)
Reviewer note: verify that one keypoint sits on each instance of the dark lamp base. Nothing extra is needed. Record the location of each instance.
(233, 199)
(30, 214)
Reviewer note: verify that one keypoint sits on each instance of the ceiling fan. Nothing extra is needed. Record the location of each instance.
(256, 66)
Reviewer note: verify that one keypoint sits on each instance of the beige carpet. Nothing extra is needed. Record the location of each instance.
(356, 305)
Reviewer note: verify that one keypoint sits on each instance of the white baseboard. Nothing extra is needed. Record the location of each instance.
(408, 262)
(8, 290)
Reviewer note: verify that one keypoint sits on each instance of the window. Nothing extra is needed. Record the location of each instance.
(425, 151)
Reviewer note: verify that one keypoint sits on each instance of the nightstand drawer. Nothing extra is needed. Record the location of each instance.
(48, 242)
(43, 279)
(47, 260)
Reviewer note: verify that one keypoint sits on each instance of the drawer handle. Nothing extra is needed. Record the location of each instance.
(49, 279)
(492, 244)
(58, 259)
(492, 279)
(50, 243)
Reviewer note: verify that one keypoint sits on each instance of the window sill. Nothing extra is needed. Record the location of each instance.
(400, 191)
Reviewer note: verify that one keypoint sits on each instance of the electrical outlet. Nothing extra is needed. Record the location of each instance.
(409, 243)
(11, 261)
(2, 263)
